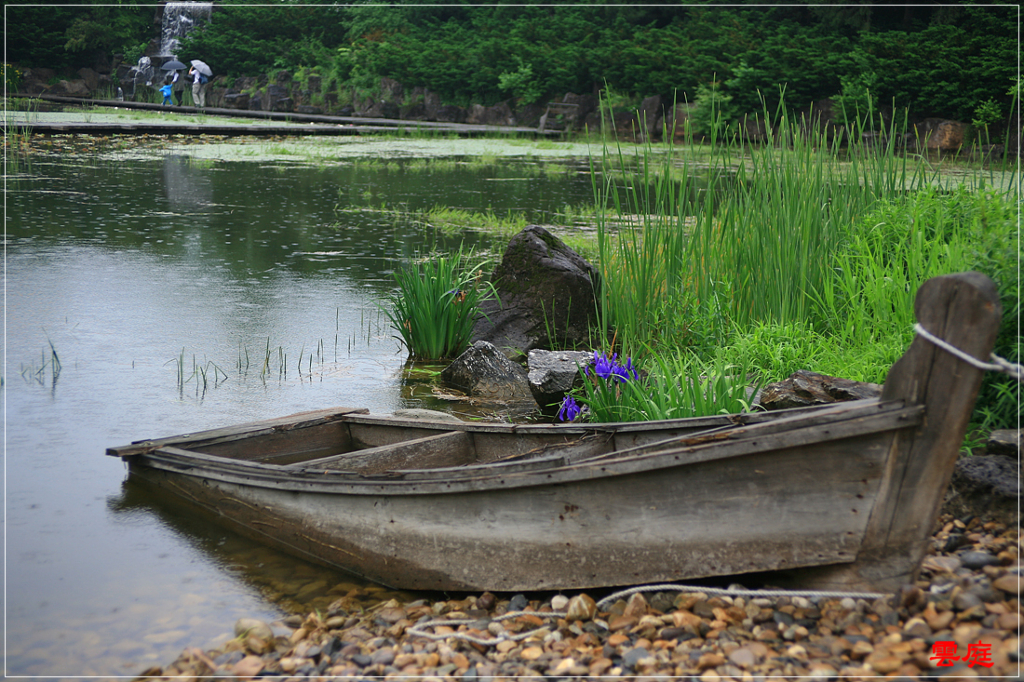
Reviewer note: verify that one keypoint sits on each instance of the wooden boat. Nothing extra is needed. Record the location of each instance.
(848, 492)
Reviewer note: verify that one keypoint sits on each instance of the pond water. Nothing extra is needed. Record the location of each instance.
(133, 269)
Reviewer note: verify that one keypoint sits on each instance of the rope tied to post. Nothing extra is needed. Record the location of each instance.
(998, 364)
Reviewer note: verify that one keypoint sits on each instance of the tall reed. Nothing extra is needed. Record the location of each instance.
(762, 243)
(436, 304)
(822, 232)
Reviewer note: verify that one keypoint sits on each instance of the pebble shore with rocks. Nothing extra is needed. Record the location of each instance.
(968, 593)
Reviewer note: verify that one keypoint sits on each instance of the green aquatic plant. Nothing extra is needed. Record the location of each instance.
(449, 221)
(436, 304)
(48, 360)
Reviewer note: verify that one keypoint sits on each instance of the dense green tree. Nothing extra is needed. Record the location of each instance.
(68, 35)
(952, 60)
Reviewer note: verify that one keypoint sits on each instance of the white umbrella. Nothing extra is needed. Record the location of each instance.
(202, 68)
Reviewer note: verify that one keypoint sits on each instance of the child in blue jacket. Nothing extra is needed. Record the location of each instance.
(166, 92)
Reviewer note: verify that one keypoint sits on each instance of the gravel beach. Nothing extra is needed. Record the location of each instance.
(962, 619)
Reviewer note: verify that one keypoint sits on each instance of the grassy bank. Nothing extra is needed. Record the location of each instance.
(804, 252)
(807, 256)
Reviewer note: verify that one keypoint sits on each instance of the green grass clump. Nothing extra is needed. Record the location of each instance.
(450, 221)
(675, 387)
(806, 254)
(436, 305)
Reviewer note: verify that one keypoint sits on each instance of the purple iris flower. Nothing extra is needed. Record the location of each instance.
(569, 410)
(609, 368)
(629, 371)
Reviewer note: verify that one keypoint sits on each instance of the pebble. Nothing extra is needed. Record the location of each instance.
(964, 598)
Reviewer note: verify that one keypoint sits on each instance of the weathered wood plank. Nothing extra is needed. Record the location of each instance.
(451, 449)
(239, 431)
(963, 310)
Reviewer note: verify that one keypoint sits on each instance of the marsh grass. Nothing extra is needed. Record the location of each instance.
(49, 360)
(437, 303)
(202, 373)
(809, 256)
(450, 221)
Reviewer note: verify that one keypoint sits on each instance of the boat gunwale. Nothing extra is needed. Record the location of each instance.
(362, 416)
(889, 417)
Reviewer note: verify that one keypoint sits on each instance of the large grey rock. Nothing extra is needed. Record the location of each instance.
(73, 88)
(90, 77)
(997, 475)
(543, 286)
(804, 388)
(498, 115)
(449, 113)
(987, 486)
(552, 374)
(1004, 442)
(483, 371)
(238, 100)
(941, 134)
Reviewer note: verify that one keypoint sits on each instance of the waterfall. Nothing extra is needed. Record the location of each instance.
(179, 19)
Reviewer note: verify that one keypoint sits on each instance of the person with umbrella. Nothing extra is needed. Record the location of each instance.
(177, 82)
(200, 74)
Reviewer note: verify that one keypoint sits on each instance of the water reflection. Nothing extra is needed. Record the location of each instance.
(291, 585)
(185, 189)
(132, 267)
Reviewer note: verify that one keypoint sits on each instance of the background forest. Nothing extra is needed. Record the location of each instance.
(946, 61)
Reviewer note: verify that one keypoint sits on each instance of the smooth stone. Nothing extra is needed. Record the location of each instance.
(965, 601)
(710, 660)
(581, 607)
(636, 607)
(486, 601)
(253, 627)
(1008, 583)
(743, 657)
(954, 541)
(634, 656)
(782, 618)
(248, 667)
(978, 560)
(531, 653)
(518, 603)
(1009, 621)
(941, 564)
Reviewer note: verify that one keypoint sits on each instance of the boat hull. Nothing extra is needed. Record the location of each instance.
(670, 514)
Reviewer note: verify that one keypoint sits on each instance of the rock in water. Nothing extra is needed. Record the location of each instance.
(546, 296)
(483, 371)
(552, 374)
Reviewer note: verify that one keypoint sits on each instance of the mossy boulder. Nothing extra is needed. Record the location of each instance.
(547, 296)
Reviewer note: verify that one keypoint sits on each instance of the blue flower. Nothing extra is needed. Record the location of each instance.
(569, 410)
(629, 371)
(609, 368)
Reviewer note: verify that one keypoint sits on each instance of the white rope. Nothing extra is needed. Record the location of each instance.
(501, 635)
(737, 592)
(998, 364)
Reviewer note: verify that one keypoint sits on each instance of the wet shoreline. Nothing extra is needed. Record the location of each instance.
(968, 594)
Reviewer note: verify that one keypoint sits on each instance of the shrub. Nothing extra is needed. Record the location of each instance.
(436, 304)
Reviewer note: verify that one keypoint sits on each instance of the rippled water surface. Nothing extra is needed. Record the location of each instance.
(134, 273)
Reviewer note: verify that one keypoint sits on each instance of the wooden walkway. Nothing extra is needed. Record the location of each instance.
(264, 123)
